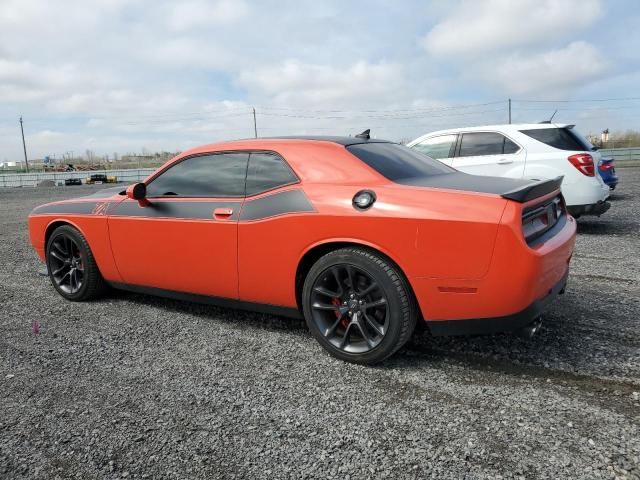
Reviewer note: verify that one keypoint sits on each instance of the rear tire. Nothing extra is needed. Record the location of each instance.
(72, 268)
(358, 305)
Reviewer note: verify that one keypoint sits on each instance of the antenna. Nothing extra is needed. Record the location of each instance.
(364, 134)
(549, 121)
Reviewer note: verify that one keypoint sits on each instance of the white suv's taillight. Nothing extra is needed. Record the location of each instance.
(584, 163)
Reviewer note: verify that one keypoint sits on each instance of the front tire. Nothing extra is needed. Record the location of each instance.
(72, 268)
(358, 305)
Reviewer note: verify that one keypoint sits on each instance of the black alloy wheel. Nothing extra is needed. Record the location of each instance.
(349, 308)
(66, 264)
(71, 265)
(358, 305)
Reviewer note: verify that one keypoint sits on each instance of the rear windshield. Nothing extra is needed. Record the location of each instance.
(561, 138)
(397, 162)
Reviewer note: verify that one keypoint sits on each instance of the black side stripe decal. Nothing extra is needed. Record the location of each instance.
(176, 209)
(291, 201)
(79, 207)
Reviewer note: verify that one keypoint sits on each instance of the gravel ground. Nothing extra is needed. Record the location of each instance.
(139, 387)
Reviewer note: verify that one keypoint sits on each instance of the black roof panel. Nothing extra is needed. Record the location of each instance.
(346, 141)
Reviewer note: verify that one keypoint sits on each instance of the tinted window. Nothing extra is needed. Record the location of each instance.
(220, 175)
(561, 138)
(397, 162)
(437, 147)
(266, 172)
(481, 143)
(509, 146)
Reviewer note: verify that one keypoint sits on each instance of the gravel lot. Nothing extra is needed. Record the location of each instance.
(139, 387)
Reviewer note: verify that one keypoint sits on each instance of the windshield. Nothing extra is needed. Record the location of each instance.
(397, 162)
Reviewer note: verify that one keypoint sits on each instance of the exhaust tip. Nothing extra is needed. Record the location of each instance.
(530, 330)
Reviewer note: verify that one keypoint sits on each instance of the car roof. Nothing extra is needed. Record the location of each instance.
(507, 127)
(273, 143)
(346, 141)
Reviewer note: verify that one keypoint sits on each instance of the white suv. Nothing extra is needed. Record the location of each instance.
(536, 151)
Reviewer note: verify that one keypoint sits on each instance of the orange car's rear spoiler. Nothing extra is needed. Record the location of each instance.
(533, 190)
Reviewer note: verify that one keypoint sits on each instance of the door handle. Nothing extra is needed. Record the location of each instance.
(504, 161)
(223, 213)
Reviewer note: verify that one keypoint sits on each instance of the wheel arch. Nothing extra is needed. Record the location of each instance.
(316, 251)
(58, 222)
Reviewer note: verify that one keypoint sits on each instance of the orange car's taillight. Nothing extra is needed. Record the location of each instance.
(539, 219)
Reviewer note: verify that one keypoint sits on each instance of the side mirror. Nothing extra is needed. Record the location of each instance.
(137, 191)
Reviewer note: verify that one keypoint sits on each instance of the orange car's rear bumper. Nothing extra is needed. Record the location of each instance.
(520, 282)
(505, 323)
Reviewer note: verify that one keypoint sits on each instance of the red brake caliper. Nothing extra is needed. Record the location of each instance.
(345, 321)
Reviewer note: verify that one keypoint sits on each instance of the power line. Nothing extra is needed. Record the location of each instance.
(391, 111)
(240, 110)
(420, 115)
(377, 117)
(581, 100)
(304, 112)
(582, 109)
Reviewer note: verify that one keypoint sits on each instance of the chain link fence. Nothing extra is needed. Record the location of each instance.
(58, 178)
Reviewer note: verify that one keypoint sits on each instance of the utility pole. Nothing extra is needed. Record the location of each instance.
(509, 111)
(255, 127)
(24, 147)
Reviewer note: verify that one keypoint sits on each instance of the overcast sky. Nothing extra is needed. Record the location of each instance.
(120, 76)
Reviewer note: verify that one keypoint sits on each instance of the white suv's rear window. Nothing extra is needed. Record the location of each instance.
(560, 138)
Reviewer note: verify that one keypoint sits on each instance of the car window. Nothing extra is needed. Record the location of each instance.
(560, 138)
(509, 146)
(481, 143)
(216, 175)
(266, 172)
(397, 162)
(437, 147)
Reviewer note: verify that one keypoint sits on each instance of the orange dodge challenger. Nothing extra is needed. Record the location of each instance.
(362, 237)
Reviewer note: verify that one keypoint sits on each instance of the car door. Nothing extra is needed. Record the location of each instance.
(184, 236)
(270, 213)
(440, 147)
(489, 153)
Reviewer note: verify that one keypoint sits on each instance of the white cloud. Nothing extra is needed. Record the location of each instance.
(298, 83)
(117, 102)
(483, 26)
(550, 74)
(25, 81)
(185, 52)
(185, 15)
